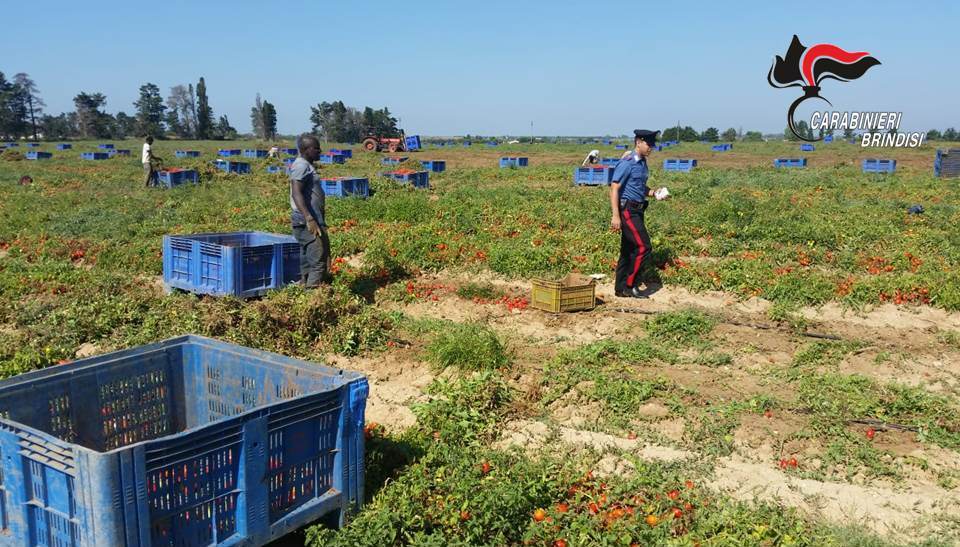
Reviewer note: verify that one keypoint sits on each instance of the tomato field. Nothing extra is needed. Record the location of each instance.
(794, 378)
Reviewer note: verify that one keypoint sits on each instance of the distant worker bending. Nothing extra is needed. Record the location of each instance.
(308, 214)
(592, 158)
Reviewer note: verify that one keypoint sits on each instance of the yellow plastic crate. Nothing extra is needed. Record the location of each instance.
(572, 293)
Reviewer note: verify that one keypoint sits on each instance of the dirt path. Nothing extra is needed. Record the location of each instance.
(894, 344)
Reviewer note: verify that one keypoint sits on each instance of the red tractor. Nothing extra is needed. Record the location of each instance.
(376, 143)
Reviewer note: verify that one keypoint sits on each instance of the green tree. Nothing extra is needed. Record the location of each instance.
(150, 111)
(269, 123)
(204, 112)
(30, 95)
(62, 126)
(91, 121)
(950, 134)
(729, 135)
(803, 129)
(934, 135)
(712, 134)
(14, 117)
(753, 136)
(848, 133)
(124, 125)
(670, 134)
(223, 130)
(182, 111)
(689, 134)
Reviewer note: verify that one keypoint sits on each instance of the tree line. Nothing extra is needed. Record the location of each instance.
(337, 122)
(710, 134)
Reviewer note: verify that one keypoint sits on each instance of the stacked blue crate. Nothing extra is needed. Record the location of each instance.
(873, 165)
(684, 165)
(799, 163)
(513, 161)
(437, 166)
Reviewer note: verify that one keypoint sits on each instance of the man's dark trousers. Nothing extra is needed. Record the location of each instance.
(314, 256)
(634, 246)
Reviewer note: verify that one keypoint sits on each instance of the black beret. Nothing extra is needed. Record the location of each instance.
(649, 136)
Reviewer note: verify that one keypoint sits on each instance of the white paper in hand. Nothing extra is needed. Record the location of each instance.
(662, 194)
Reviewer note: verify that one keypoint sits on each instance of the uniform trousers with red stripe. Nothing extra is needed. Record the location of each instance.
(634, 245)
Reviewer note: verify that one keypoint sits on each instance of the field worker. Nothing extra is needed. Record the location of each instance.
(307, 213)
(628, 201)
(592, 158)
(274, 152)
(147, 158)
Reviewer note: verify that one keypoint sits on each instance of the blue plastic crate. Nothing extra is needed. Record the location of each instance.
(799, 163)
(607, 142)
(94, 155)
(684, 165)
(238, 167)
(64, 146)
(290, 151)
(345, 152)
(946, 164)
(289, 161)
(33, 145)
(250, 153)
(11, 144)
(828, 138)
(278, 169)
(187, 153)
(419, 179)
(342, 187)
(722, 147)
(38, 155)
(226, 153)
(609, 161)
(241, 264)
(872, 165)
(513, 161)
(176, 177)
(437, 166)
(332, 158)
(621, 147)
(592, 176)
(105, 146)
(412, 142)
(439, 144)
(393, 160)
(467, 143)
(185, 442)
(492, 143)
(806, 148)
(118, 152)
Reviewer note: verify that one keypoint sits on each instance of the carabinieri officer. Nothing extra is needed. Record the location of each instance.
(628, 201)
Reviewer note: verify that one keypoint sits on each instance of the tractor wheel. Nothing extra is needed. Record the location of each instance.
(370, 145)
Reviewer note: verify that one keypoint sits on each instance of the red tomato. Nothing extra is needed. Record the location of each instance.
(871, 433)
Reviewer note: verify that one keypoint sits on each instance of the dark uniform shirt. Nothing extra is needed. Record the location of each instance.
(312, 190)
(632, 174)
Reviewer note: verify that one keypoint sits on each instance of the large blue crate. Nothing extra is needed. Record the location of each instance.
(592, 176)
(278, 169)
(251, 153)
(332, 158)
(118, 152)
(11, 144)
(185, 442)
(342, 187)
(345, 152)
(418, 179)
(621, 147)
(64, 146)
(514, 161)
(439, 144)
(412, 142)
(238, 167)
(175, 177)
(226, 153)
(393, 160)
(241, 264)
(612, 162)
(38, 155)
(33, 145)
(607, 142)
(105, 146)
(467, 143)
(722, 147)
(94, 155)
(492, 143)
(684, 165)
(187, 153)
(872, 165)
(946, 164)
(437, 166)
(828, 138)
(290, 151)
(799, 163)
(806, 148)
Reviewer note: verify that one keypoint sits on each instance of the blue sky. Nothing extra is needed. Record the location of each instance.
(492, 67)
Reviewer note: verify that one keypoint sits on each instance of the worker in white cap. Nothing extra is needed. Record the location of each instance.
(592, 158)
